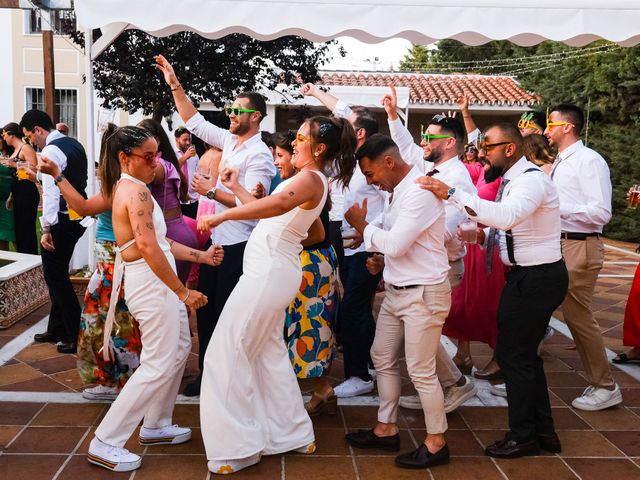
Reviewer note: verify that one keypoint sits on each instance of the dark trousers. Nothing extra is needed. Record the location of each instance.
(217, 283)
(189, 209)
(64, 318)
(530, 296)
(335, 238)
(25, 211)
(355, 315)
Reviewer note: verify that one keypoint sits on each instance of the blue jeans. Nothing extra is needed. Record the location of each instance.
(355, 315)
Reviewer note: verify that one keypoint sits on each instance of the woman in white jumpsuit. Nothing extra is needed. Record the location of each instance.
(250, 402)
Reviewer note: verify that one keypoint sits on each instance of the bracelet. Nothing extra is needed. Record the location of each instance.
(187, 297)
(174, 89)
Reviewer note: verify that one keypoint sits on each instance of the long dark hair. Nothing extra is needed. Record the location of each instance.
(123, 139)
(167, 152)
(340, 139)
(283, 140)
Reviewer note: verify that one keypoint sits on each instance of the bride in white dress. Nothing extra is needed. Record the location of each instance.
(250, 402)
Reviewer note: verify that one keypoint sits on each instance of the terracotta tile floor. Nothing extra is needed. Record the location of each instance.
(48, 440)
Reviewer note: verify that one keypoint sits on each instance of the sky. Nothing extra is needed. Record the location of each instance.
(368, 57)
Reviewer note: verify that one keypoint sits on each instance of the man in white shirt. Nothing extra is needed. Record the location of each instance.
(526, 217)
(582, 178)
(242, 149)
(438, 157)
(410, 233)
(188, 160)
(355, 323)
(61, 227)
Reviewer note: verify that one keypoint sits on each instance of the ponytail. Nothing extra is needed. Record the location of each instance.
(338, 136)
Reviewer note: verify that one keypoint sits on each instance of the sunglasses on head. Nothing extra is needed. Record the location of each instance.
(237, 111)
(428, 136)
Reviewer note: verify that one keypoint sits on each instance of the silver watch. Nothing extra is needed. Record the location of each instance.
(211, 194)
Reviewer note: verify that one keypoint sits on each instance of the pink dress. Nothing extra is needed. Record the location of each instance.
(474, 304)
(476, 171)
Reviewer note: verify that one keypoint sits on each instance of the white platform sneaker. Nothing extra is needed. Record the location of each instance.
(116, 459)
(169, 435)
(593, 399)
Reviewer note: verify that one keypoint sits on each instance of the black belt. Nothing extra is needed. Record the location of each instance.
(542, 265)
(404, 287)
(578, 236)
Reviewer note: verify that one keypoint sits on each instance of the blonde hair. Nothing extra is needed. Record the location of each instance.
(537, 149)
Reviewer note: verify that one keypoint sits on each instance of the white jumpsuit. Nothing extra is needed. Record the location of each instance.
(250, 401)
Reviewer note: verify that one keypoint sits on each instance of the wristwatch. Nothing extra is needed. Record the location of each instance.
(211, 194)
(58, 179)
(450, 192)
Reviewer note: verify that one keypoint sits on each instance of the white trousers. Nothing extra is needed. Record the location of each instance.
(414, 317)
(250, 401)
(151, 391)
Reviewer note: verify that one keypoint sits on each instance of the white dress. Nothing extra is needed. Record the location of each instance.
(250, 401)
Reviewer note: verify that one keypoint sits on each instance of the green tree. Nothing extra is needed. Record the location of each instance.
(416, 59)
(215, 70)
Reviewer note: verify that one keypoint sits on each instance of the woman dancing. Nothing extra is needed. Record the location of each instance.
(250, 402)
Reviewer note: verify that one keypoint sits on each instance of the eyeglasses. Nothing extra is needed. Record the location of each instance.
(428, 136)
(237, 111)
(557, 124)
(150, 158)
(486, 146)
(302, 138)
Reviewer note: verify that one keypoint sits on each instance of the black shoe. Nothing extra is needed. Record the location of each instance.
(368, 439)
(193, 389)
(512, 449)
(46, 337)
(67, 347)
(550, 443)
(423, 458)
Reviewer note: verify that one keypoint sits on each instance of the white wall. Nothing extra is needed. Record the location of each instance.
(6, 78)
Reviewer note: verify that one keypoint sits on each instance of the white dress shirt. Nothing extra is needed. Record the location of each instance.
(452, 172)
(192, 164)
(254, 163)
(50, 192)
(358, 188)
(410, 233)
(529, 207)
(336, 193)
(582, 178)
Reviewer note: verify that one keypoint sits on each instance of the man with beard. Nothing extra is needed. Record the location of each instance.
(242, 149)
(526, 219)
(438, 157)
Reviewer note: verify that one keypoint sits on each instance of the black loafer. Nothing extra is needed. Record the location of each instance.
(46, 337)
(512, 449)
(193, 389)
(550, 443)
(368, 439)
(67, 347)
(423, 458)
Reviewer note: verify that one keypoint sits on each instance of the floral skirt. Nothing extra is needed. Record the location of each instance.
(125, 335)
(309, 320)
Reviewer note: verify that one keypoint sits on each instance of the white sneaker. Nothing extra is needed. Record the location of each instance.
(352, 387)
(455, 396)
(100, 392)
(410, 401)
(593, 399)
(499, 390)
(224, 467)
(169, 435)
(373, 373)
(116, 459)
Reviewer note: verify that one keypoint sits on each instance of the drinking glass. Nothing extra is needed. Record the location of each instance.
(469, 231)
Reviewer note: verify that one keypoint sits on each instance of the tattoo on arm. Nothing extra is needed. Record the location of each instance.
(143, 196)
(291, 194)
(149, 225)
(140, 212)
(195, 254)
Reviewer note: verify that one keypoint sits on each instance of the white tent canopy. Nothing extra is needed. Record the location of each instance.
(524, 22)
